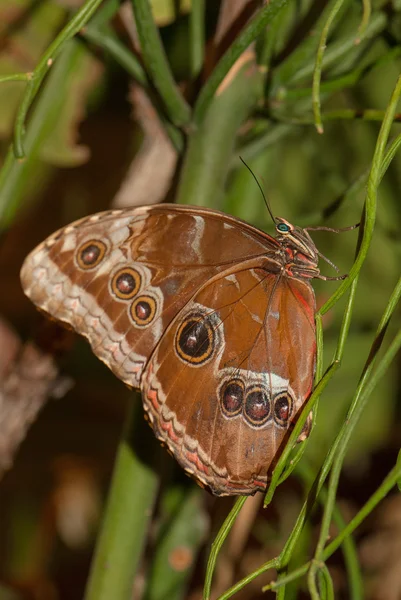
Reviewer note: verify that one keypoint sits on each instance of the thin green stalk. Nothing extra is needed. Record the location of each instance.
(391, 152)
(276, 476)
(17, 175)
(129, 509)
(283, 460)
(339, 115)
(388, 483)
(272, 564)
(317, 72)
(281, 593)
(327, 87)
(81, 17)
(371, 199)
(348, 546)
(218, 542)
(291, 465)
(197, 36)
(106, 12)
(167, 578)
(263, 17)
(258, 145)
(15, 77)
(338, 83)
(367, 11)
(337, 50)
(206, 164)
(292, 540)
(356, 187)
(157, 65)
(105, 38)
(327, 582)
(267, 41)
(353, 416)
(283, 559)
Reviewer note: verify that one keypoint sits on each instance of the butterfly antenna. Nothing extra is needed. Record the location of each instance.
(261, 189)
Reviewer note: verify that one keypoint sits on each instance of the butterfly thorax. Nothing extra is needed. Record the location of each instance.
(298, 251)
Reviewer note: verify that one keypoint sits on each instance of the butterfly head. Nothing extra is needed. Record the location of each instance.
(296, 238)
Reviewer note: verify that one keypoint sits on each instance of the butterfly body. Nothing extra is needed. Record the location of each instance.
(210, 317)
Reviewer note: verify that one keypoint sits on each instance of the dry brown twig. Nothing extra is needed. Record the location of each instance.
(28, 377)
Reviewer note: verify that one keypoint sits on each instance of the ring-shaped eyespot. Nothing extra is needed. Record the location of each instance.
(126, 283)
(283, 405)
(90, 254)
(143, 310)
(195, 339)
(257, 406)
(232, 395)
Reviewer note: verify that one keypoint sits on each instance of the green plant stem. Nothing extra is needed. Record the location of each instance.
(367, 11)
(264, 17)
(105, 38)
(281, 562)
(317, 72)
(282, 461)
(340, 114)
(332, 56)
(15, 77)
(291, 465)
(218, 542)
(73, 26)
(17, 175)
(258, 145)
(349, 79)
(288, 549)
(348, 544)
(388, 483)
(167, 577)
(197, 36)
(157, 64)
(128, 513)
(272, 564)
(356, 187)
(354, 413)
(371, 199)
(210, 146)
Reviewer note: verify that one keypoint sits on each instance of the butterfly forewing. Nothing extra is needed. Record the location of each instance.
(120, 277)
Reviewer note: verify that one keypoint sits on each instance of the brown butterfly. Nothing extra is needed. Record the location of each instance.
(210, 317)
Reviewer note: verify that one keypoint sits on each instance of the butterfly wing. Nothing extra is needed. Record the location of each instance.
(230, 375)
(120, 277)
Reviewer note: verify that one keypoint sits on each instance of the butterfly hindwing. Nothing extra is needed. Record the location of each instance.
(226, 381)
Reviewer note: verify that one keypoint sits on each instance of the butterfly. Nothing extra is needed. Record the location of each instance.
(210, 317)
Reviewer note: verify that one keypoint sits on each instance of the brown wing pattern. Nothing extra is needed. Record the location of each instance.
(120, 277)
(230, 375)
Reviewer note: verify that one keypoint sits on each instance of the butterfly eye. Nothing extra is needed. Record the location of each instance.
(283, 228)
(90, 254)
(257, 406)
(195, 340)
(232, 397)
(143, 310)
(126, 283)
(283, 405)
